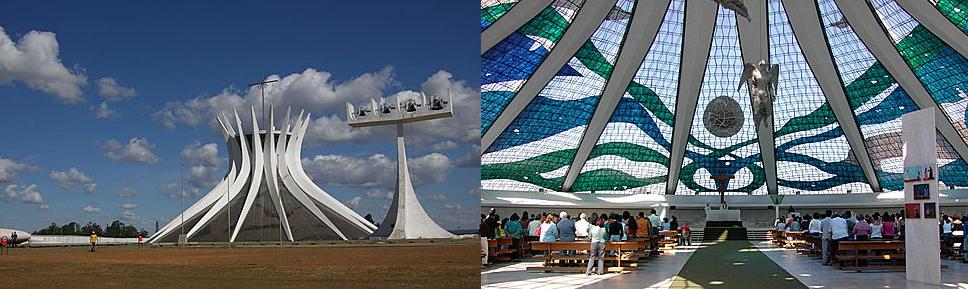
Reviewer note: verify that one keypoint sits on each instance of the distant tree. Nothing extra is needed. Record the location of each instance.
(91, 227)
(53, 229)
(71, 228)
(144, 233)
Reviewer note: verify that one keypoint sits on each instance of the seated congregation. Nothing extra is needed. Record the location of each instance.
(862, 242)
(567, 243)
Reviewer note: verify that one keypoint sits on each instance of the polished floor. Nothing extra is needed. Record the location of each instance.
(661, 272)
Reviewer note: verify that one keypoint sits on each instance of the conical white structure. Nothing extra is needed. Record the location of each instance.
(268, 190)
(406, 218)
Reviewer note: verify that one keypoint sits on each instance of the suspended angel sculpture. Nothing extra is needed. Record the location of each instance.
(761, 79)
(737, 6)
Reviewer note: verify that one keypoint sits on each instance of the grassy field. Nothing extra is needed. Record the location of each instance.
(422, 265)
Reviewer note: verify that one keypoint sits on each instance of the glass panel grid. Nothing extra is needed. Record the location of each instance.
(506, 66)
(739, 155)
(492, 10)
(563, 107)
(633, 152)
(812, 153)
(942, 71)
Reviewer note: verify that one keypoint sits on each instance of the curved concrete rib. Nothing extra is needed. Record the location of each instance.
(291, 185)
(314, 191)
(234, 189)
(256, 175)
(272, 180)
(212, 196)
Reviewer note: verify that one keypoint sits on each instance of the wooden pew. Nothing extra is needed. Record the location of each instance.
(888, 250)
(496, 253)
(626, 260)
(668, 238)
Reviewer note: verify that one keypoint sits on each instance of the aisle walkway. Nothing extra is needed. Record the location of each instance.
(809, 271)
(732, 264)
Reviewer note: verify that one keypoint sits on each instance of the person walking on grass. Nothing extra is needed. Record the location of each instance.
(141, 240)
(3, 245)
(596, 234)
(93, 241)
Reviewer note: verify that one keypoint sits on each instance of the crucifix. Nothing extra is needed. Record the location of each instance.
(721, 182)
(262, 86)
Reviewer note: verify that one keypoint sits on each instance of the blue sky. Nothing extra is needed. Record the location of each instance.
(124, 94)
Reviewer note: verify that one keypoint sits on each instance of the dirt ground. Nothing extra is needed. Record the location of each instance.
(355, 266)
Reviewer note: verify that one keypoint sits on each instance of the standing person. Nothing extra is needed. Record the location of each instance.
(645, 226)
(596, 233)
(814, 225)
(515, 231)
(615, 231)
(93, 241)
(877, 228)
(3, 245)
(581, 227)
(825, 237)
(549, 230)
(888, 224)
(862, 230)
(946, 232)
(566, 228)
(665, 224)
(141, 240)
(656, 223)
(838, 231)
(674, 224)
(534, 225)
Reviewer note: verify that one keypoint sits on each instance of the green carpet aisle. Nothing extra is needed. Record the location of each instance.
(733, 264)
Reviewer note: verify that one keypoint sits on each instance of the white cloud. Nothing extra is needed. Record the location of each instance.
(103, 111)
(92, 209)
(454, 206)
(472, 158)
(379, 195)
(355, 202)
(443, 146)
(335, 129)
(433, 197)
(9, 170)
(90, 188)
(204, 163)
(27, 195)
(129, 216)
(475, 192)
(129, 206)
(137, 150)
(71, 177)
(311, 90)
(35, 61)
(376, 171)
(112, 91)
(127, 192)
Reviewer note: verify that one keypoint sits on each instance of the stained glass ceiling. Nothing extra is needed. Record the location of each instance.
(550, 120)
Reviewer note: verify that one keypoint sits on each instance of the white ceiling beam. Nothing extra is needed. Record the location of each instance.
(697, 39)
(646, 20)
(589, 18)
(754, 43)
(938, 24)
(863, 21)
(520, 13)
(812, 39)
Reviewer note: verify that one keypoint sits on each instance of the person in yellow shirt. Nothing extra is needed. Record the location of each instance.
(93, 241)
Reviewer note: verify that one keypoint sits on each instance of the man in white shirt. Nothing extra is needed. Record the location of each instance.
(825, 235)
(656, 224)
(814, 226)
(581, 226)
(838, 231)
